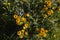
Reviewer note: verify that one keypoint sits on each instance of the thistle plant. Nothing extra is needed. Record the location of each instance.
(30, 19)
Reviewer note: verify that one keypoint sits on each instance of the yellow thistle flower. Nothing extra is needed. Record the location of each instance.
(21, 36)
(26, 33)
(19, 33)
(18, 21)
(44, 15)
(26, 25)
(23, 19)
(23, 30)
(52, 11)
(49, 12)
(43, 32)
(15, 16)
(27, 14)
(46, 31)
(49, 3)
(45, 8)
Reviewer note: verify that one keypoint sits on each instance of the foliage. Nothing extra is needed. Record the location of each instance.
(29, 20)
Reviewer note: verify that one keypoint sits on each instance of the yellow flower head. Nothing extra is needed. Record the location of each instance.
(43, 32)
(53, 8)
(26, 25)
(15, 16)
(27, 14)
(44, 15)
(26, 33)
(19, 33)
(49, 3)
(23, 19)
(23, 30)
(45, 8)
(18, 21)
(46, 31)
(50, 12)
